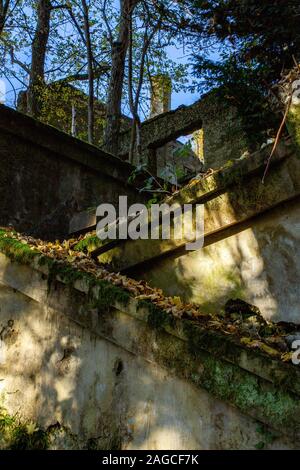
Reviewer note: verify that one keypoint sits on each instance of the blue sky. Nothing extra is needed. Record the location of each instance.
(178, 98)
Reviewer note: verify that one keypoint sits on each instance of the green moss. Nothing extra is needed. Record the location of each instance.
(201, 360)
(88, 244)
(229, 382)
(66, 273)
(16, 434)
(16, 250)
(266, 436)
(230, 174)
(157, 317)
(293, 124)
(107, 293)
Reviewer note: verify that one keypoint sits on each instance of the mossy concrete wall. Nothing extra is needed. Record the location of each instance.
(251, 246)
(47, 176)
(225, 134)
(259, 262)
(60, 100)
(293, 117)
(107, 379)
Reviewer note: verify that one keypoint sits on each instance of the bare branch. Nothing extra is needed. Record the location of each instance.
(84, 76)
(110, 34)
(16, 61)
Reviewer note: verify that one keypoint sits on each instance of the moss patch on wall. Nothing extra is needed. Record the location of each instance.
(293, 124)
(17, 434)
(157, 317)
(88, 243)
(15, 250)
(270, 403)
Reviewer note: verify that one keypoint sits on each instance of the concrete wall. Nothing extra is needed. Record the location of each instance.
(251, 246)
(60, 101)
(95, 379)
(257, 259)
(226, 133)
(258, 262)
(47, 176)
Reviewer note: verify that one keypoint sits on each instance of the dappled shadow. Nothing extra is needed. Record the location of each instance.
(253, 254)
(86, 389)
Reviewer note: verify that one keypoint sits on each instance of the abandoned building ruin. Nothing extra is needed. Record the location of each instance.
(94, 366)
(65, 107)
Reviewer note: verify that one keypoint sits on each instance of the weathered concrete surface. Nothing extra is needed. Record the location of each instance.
(259, 262)
(60, 100)
(47, 176)
(251, 241)
(107, 380)
(225, 133)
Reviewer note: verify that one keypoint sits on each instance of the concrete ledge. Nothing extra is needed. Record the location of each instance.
(263, 388)
(231, 196)
(52, 139)
(47, 176)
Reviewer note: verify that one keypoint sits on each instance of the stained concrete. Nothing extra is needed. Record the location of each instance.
(251, 240)
(90, 378)
(47, 176)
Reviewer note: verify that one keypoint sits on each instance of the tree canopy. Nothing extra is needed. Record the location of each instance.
(111, 49)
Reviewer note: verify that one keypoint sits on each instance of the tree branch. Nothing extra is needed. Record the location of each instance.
(110, 34)
(84, 76)
(18, 62)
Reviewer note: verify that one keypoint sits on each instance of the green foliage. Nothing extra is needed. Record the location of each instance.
(88, 244)
(185, 150)
(15, 250)
(138, 170)
(262, 35)
(151, 184)
(157, 317)
(17, 434)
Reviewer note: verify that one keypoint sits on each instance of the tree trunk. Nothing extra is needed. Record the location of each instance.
(4, 4)
(39, 46)
(90, 61)
(114, 100)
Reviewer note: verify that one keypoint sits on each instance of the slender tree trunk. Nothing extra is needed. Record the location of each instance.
(38, 58)
(134, 102)
(114, 100)
(90, 61)
(4, 5)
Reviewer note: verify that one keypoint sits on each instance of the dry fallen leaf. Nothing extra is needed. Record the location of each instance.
(64, 253)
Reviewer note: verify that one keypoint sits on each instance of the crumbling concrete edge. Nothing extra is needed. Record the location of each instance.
(261, 387)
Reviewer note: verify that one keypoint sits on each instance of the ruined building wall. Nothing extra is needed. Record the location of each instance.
(226, 135)
(107, 380)
(47, 176)
(66, 108)
(251, 240)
